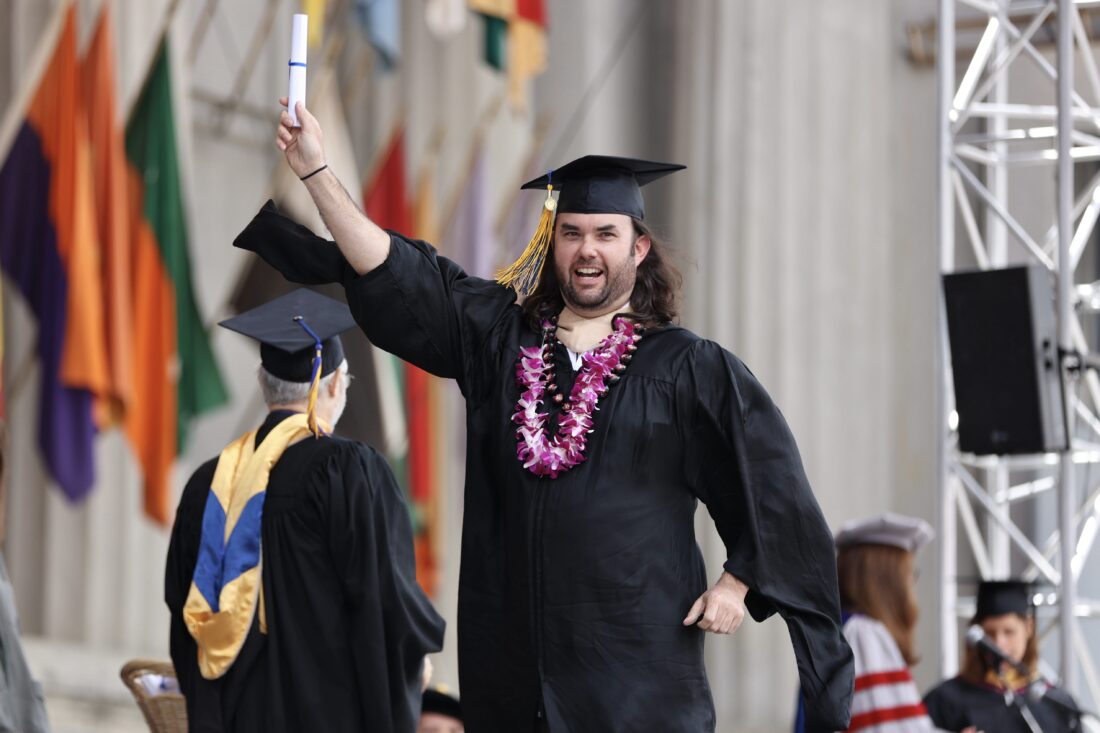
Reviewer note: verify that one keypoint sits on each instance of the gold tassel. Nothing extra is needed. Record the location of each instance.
(314, 388)
(523, 274)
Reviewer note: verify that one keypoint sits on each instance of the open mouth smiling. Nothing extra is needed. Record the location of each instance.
(587, 273)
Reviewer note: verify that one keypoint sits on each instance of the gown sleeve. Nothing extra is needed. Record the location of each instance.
(742, 462)
(393, 624)
(294, 250)
(426, 310)
(417, 305)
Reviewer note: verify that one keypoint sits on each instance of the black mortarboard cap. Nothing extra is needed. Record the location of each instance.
(437, 701)
(603, 184)
(998, 597)
(288, 329)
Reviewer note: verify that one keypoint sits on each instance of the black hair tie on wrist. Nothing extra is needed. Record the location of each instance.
(311, 175)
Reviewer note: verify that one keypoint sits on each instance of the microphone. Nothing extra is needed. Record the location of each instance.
(975, 637)
(1039, 689)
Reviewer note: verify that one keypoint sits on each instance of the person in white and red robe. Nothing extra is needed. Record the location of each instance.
(875, 570)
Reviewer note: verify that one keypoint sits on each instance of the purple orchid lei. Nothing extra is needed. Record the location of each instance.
(540, 453)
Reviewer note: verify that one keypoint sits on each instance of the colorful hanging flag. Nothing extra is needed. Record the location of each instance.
(380, 21)
(385, 195)
(175, 376)
(424, 396)
(445, 18)
(109, 173)
(495, 15)
(386, 202)
(515, 41)
(384, 198)
(469, 238)
(527, 48)
(48, 248)
(315, 9)
(495, 43)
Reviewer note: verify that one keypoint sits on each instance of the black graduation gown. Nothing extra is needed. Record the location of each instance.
(348, 626)
(572, 590)
(955, 704)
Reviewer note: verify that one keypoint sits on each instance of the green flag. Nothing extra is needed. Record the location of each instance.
(175, 374)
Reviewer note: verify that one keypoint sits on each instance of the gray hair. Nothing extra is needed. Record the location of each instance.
(281, 392)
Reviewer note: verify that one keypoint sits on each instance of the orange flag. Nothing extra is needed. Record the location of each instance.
(60, 117)
(112, 204)
(50, 252)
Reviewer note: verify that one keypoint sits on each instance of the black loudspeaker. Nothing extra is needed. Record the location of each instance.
(1004, 359)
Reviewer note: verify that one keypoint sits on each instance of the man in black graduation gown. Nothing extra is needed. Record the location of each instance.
(582, 594)
(336, 637)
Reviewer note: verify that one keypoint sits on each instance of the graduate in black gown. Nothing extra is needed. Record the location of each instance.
(594, 426)
(326, 629)
(987, 696)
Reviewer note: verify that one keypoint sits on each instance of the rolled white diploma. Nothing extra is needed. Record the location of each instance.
(297, 91)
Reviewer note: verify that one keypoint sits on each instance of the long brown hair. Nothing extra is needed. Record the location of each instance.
(654, 301)
(876, 580)
(974, 665)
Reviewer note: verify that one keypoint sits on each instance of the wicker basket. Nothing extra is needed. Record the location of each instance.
(165, 712)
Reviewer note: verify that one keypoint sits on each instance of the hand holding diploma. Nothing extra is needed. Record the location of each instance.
(302, 146)
(362, 243)
(299, 135)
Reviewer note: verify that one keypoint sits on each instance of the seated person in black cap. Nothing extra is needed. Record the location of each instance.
(290, 576)
(594, 427)
(997, 697)
(440, 713)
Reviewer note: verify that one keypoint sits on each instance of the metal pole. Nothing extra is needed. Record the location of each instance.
(945, 213)
(1067, 504)
(996, 240)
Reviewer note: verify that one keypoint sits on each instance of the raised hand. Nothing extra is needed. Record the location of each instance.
(303, 146)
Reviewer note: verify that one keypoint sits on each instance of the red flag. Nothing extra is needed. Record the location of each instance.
(385, 195)
(386, 202)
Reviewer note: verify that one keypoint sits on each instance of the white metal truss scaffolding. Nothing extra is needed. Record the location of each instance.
(987, 138)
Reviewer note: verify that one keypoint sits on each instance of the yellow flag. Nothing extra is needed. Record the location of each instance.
(315, 9)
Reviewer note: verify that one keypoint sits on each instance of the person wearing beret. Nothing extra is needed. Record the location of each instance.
(875, 566)
(997, 697)
(290, 575)
(594, 427)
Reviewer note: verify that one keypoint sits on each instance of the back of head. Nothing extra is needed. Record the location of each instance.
(300, 349)
(876, 581)
(875, 570)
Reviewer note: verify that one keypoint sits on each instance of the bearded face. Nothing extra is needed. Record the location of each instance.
(596, 258)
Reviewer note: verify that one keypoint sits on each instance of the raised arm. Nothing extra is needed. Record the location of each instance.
(361, 241)
(407, 299)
